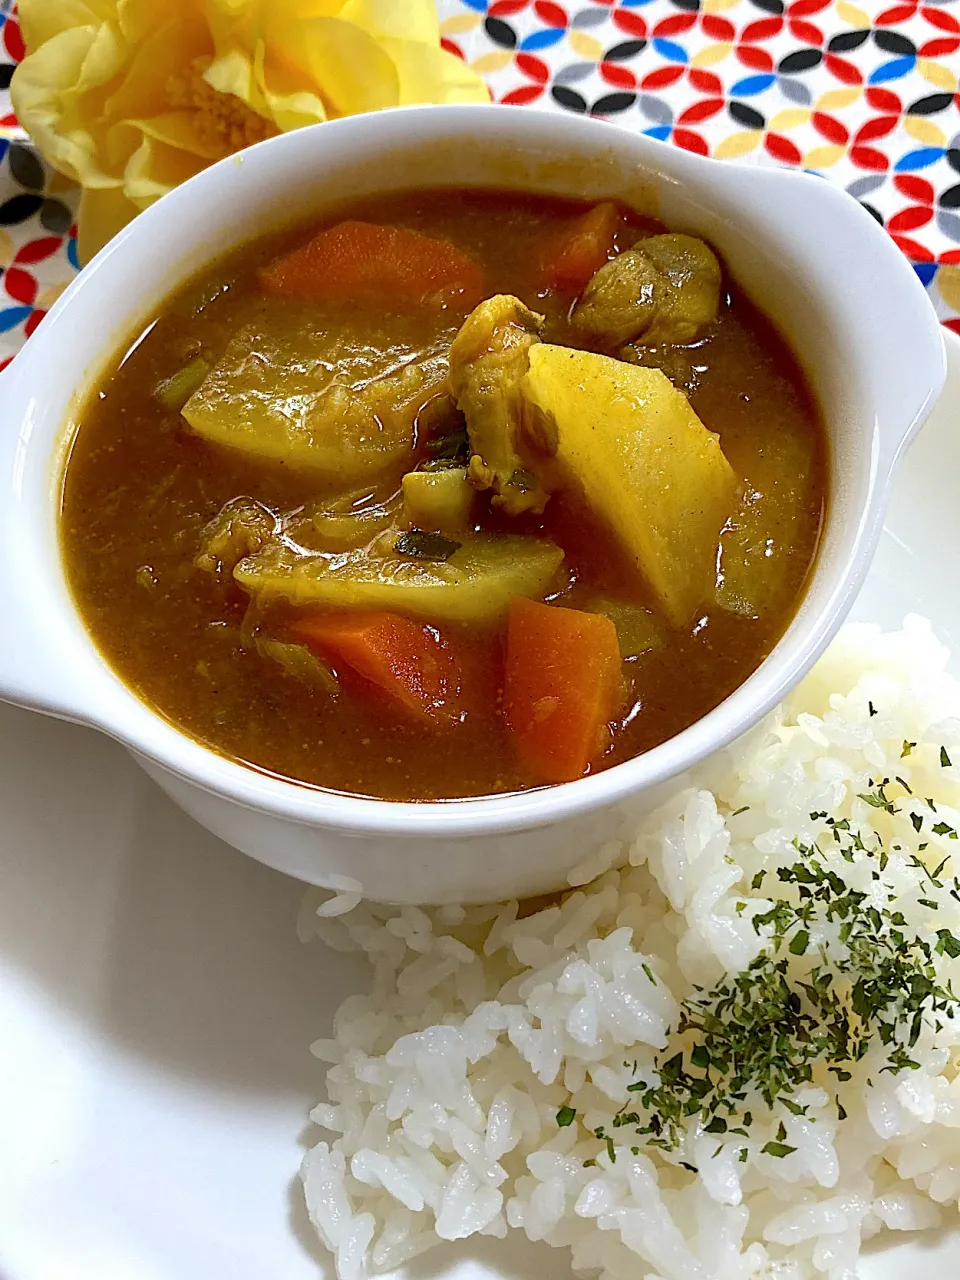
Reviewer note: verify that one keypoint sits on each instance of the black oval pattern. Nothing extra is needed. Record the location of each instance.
(568, 98)
(747, 116)
(6, 75)
(25, 167)
(894, 42)
(801, 60)
(18, 209)
(846, 41)
(872, 211)
(626, 49)
(769, 6)
(930, 105)
(55, 217)
(953, 159)
(950, 199)
(611, 103)
(689, 6)
(501, 33)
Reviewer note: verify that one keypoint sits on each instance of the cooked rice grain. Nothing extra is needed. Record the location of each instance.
(447, 1078)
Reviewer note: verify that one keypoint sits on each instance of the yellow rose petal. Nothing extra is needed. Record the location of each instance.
(415, 21)
(288, 100)
(349, 67)
(144, 87)
(155, 168)
(823, 157)
(101, 215)
(41, 20)
(177, 129)
(44, 97)
(718, 6)
(6, 248)
(432, 75)
(925, 131)
(937, 73)
(738, 144)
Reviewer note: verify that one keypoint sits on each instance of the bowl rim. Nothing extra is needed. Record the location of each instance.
(192, 761)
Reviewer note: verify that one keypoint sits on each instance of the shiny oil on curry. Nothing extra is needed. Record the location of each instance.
(457, 493)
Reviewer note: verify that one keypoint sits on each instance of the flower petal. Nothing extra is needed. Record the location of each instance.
(41, 20)
(47, 96)
(144, 88)
(101, 215)
(348, 67)
(416, 20)
(433, 75)
(155, 168)
(286, 94)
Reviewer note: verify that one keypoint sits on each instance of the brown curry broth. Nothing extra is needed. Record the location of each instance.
(139, 489)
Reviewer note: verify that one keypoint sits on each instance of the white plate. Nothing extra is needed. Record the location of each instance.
(156, 1007)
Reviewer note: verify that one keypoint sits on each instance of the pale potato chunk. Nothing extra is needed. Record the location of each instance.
(476, 584)
(647, 464)
(438, 500)
(328, 405)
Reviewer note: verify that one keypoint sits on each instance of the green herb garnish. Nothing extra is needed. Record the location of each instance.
(423, 545)
(761, 1033)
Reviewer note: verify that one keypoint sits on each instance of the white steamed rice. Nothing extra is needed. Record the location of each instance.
(447, 1078)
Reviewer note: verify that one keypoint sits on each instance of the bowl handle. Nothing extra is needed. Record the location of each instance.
(37, 669)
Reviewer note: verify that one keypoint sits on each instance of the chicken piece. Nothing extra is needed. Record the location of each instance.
(666, 289)
(241, 528)
(488, 360)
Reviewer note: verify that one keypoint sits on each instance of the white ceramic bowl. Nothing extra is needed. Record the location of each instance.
(819, 266)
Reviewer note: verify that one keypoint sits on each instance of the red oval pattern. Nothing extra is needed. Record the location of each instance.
(37, 250)
(755, 58)
(783, 149)
(630, 24)
(13, 40)
(872, 132)
(909, 219)
(914, 188)
(21, 286)
(616, 74)
(533, 67)
(552, 14)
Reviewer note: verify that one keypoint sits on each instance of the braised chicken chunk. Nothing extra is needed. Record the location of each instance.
(666, 290)
(488, 360)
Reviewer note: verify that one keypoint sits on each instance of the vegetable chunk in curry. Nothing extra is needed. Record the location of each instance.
(454, 493)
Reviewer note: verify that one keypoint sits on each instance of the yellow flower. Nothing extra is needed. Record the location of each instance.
(130, 97)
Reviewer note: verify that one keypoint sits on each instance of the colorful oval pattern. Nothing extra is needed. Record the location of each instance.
(865, 95)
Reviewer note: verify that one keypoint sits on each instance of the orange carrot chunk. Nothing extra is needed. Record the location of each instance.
(581, 248)
(563, 669)
(409, 663)
(361, 258)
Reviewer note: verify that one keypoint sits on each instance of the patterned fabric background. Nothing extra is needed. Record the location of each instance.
(865, 95)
